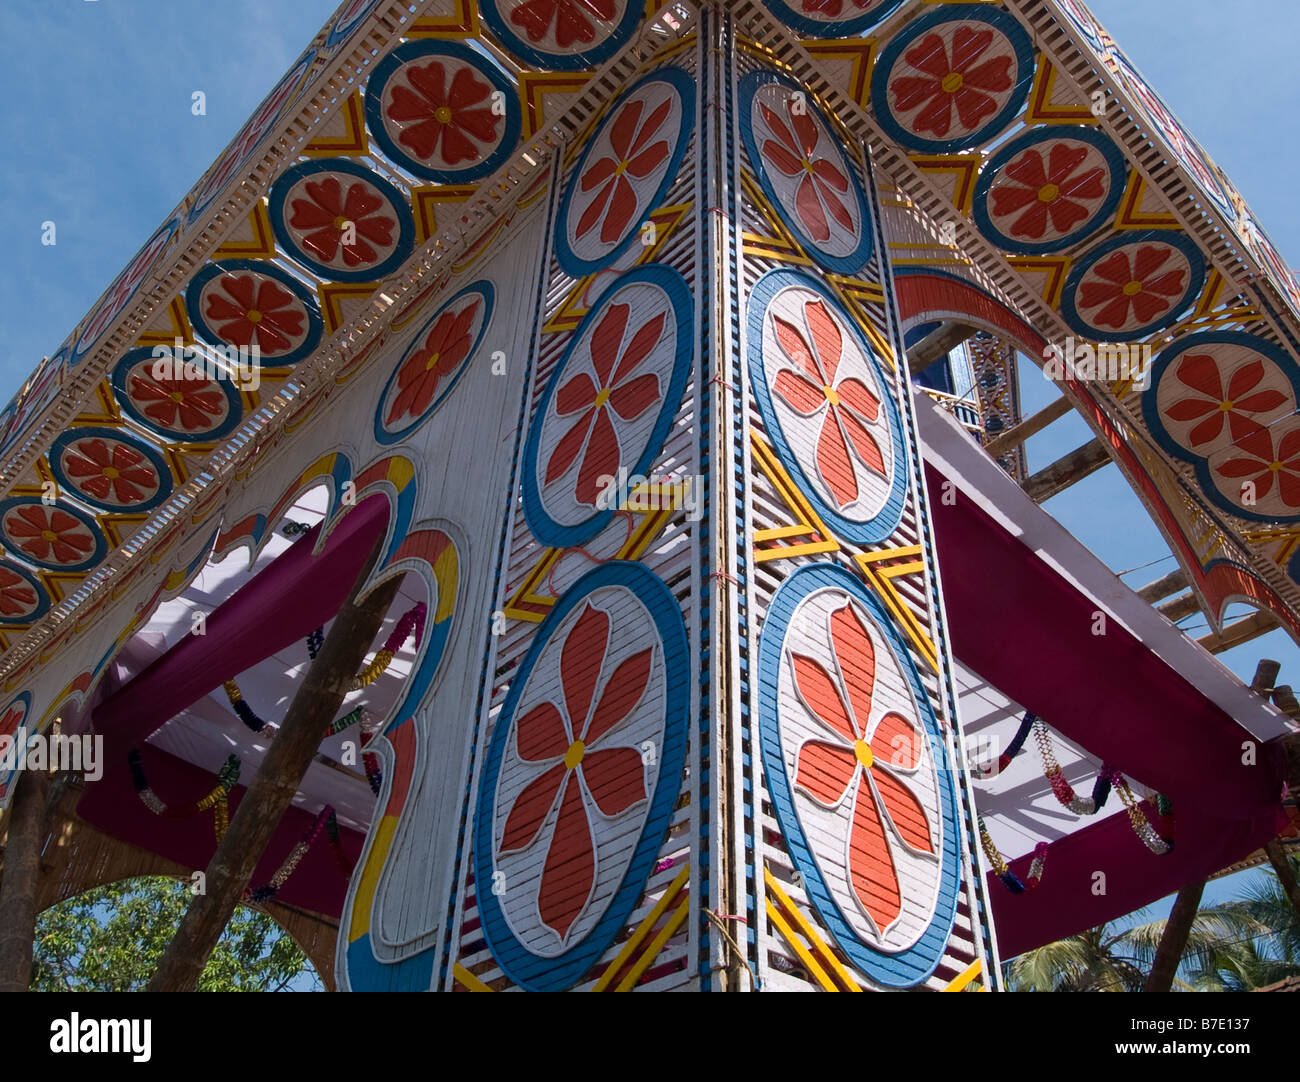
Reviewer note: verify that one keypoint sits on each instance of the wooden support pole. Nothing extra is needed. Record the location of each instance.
(1014, 436)
(18, 887)
(1285, 873)
(277, 781)
(1183, 605)
(1173, 941)
(1243, 630)
(1163, 587)
(1066, 470)
(938, 343)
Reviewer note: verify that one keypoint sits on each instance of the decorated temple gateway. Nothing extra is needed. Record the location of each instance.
(595, 424)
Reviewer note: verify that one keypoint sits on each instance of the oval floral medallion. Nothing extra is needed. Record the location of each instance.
(832, 18)
(11, 718)
(249, 304)
(185, 404)
(572, 809)
(827, 405)
(55, 536)
(859, 773)
(434, 362)
(443, 110)
(110, 470)
(22, 598)
(803, 171)
(626, 169)
(609, 404)
(563, 35)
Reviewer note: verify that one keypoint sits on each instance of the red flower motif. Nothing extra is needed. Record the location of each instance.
(846, 403)
(1049, 189)
(564, 738)
(185, 404)
(445, 347)
(255, 312)
(327, 213)
(444, 114)
(629, 138)
(1200, 372)
(832, 8)
(960, 83)
(793, 155)
(572, 25)
(1134, 286)
(49, 534)
(16, 597)
(593, 437)
(1261, 464)
(99, 470)
(9, 723)
(861, 762)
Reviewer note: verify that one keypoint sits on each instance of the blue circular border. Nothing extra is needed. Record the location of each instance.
(485, 66)
(487, 291)
(900, 969)
(87, 520)
(1155, 423)
(999, 20)
(193, 291)
(846, 264)
(145, 353)
(1085, 263)
(580, 61)
(554, 974)
(275, 204)
(165, 480)
(824, 29)
(889, 516)
(681, 81)
(1043, 134)
(674, 285)
(42, 597)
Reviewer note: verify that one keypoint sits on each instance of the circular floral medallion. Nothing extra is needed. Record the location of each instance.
(1048, 189)
(562, 35)
(123, 289)
(55, 536)
(827, 405)
(22, 598)
(444, 110)
(11, 717)
(252, 305)
(1131, 285)
(110, 470)
(859, 773)
(434, 362)
(341, 220)
(608, 405)
(803, 171)
(625, 171)
(952, 79)
(832, 18)
(1226, 403)
(582, 775)
(190, 402)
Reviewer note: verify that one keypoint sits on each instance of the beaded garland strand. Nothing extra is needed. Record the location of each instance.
(369, 760)
(325, 820)
(227, 779)
(1009, 878)
(1061, 788)
(1159, 845)
(1027, 722)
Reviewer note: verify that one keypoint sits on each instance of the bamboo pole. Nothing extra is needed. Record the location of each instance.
(276, 782)
(937, 344)
(1014, 436)
(22, 869)
(1065, 471)
(1173, 941)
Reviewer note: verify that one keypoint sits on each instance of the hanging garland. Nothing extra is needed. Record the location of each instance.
(227, 779)
(1061, 788)
(1013, 749)
(1009, 878)
(412, 621)
(325, 820)
(1158, 844)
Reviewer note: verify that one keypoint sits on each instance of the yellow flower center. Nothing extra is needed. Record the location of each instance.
(1226, 405)
(429, 364)
(1048, 193)
(863, 752)
(1275, 465)
(111, 473)
(602, 397)
(620, 169)
(1133, 288)
(340, 223)
(49, 535)
(176, 397)
(831, 396)
(808, 167)
(952, 82)
(254, 316)
(442, 115)
(573, 756)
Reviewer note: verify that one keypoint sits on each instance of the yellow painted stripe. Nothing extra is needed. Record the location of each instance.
(656, 945)
(468, 979)
(969, 974)
(370, 878)
(445, 570)
(805, 955)
(815, 941)
(674, 888)
(788, 551)
(779, 532)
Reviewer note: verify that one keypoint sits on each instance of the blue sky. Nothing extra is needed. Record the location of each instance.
(101, 140)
